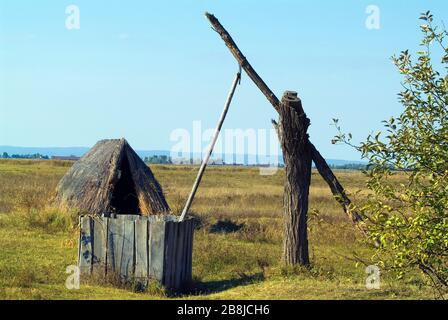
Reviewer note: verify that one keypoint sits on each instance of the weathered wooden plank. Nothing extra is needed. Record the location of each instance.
(130, 217)
(184, 271)
(183, 263)
(114, 246)
(85, 252)
(156, 245)
(174, 254)
(170, 251)
(179, 258)
(127, 253)
(99, 245)
(141, 249)
(189, 251)
(187, 275)
(167, 254)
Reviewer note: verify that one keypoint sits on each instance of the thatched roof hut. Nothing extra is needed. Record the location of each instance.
(111, 178)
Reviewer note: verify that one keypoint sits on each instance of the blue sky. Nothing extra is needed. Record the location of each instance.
(141, 69)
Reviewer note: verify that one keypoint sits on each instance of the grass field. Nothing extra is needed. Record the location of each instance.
(37, 243)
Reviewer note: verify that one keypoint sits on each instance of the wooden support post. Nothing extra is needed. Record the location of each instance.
(210, 147)
(292, 129)
(298, 153)
(319, 161)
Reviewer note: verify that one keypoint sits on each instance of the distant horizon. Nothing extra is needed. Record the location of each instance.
(80, 150)
(143, 70)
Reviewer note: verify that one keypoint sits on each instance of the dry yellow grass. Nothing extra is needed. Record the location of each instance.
(38, 243)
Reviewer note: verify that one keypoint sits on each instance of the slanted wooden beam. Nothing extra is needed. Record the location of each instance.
(242, 61)
(321, 165)
(210, 148)
(336, 188)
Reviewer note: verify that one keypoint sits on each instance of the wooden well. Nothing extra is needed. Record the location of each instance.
(139, 248)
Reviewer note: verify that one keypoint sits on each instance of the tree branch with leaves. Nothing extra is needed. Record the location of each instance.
(408, 215)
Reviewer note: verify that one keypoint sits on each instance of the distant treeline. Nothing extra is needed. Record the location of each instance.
(349, 166)
(5, 155)
(163, 159)
(158, 160)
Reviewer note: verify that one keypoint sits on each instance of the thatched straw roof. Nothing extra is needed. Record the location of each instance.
(111, 178)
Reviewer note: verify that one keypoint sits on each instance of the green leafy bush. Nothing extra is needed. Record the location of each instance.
(409, 220)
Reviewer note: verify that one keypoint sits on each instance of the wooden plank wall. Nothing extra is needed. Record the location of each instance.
(115, 233)
(178, 254)
(99, 245)
(85, 246)
(156, 249)
(140, 248)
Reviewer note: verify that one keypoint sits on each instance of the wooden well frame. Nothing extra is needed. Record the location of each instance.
(137, 248)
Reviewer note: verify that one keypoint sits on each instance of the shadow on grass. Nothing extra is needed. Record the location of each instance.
(225, 226)
(198, 288)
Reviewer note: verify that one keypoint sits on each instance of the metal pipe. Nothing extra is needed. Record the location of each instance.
(210, 148)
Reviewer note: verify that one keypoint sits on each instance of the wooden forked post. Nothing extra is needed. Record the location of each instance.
(295, 162)
(321, 165)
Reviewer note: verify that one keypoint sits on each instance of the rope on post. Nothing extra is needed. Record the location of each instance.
(204, 163)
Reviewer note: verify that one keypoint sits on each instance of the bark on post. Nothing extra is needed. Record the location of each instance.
(298, 152)
(292, 130)
(319, 161)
